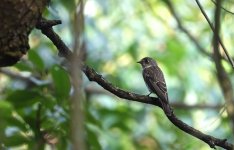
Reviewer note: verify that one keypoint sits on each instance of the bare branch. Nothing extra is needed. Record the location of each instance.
(91, 90)
(28, 79)
(182, 28)
(218, 38)
(224, 80)
(228, 11)
(94, 76)
(46, 29)
(211, 141)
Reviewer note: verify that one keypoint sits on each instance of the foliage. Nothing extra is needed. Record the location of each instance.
(117, 34)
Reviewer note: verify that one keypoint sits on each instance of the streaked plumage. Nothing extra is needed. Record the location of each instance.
(155, 81)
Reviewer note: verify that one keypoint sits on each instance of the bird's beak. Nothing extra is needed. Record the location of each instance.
(139, 62)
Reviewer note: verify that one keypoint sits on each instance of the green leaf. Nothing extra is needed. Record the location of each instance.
(48, 101)
(24, 66)
(92, 135)
(19, 123)
(5, 109)
(175, 54)
(69, 5)
(16, 140)
(23, 98)
(36, 60)
(61, 81)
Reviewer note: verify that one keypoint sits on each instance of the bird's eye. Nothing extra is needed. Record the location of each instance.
(147, 61)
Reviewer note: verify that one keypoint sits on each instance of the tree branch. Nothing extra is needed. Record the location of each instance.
(228, 11)
(190, 36)
(224, 80)
(94, 76)
(213, 29)
(182, 28)
(29, 79)
(92, 90)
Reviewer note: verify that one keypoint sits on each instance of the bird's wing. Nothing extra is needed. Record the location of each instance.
(160, 81)
(147, 75)
(162, 86)
(154, 79)
(163, 89)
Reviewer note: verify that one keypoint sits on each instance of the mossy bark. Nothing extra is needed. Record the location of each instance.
(18, 18)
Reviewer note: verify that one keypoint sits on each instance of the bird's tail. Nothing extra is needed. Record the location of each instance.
(166, 108)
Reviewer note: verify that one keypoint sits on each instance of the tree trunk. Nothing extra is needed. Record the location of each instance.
(18, 18)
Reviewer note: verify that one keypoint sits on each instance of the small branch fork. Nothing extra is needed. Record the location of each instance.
(192, 38)
(213, 29)
(46, 28)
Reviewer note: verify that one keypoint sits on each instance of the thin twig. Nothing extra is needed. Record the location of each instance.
(28, 79)
(46, 29)
(92, 90)
(94, 76)
(228, 11)
(182, 28)
(224, 80)
(211, 141)
(212, 28)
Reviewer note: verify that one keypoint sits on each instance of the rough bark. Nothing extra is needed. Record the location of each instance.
(18, 18)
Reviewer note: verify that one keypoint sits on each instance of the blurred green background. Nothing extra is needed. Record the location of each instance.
(117, 34)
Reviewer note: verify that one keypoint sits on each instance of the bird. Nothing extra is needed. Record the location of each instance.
(155, 82)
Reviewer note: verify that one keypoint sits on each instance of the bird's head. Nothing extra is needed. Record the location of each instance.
(147, 62)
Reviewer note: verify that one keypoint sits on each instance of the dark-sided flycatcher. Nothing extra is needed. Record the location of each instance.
(155, 82)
